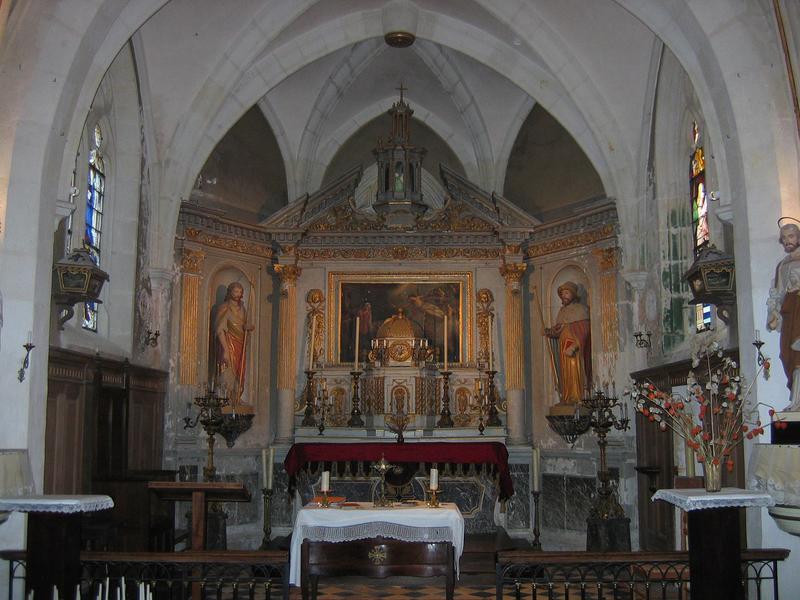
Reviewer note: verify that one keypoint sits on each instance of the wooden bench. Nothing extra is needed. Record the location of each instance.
(376, 557)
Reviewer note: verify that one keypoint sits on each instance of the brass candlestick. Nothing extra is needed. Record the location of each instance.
(445, 420)
(308, 414)
(267, 494)
(492, 418)
(355, 413)
(433, 500)
(325, 502)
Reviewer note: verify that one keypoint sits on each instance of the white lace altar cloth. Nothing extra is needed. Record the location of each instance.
(52, 503)
(699, 499)
(400, 522)
(775, 469)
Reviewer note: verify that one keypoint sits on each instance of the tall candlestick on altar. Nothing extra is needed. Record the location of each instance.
(491, 335)
(358, 327)
(445, 342)
(536, 470)
(311, 343)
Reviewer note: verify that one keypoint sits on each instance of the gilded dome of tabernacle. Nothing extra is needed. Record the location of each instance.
(397, 326)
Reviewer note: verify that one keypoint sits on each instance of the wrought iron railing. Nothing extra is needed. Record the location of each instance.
(235, 575)
(531, 575)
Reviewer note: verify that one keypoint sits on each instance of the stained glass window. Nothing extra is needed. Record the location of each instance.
(95, 197)
(699, 200)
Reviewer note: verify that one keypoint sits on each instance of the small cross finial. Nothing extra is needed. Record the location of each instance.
(402, 89)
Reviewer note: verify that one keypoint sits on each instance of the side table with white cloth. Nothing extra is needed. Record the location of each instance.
(412, 525)
(54, 539)
(715, 557)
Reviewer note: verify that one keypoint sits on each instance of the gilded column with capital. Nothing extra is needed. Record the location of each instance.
(191, 276)
(287, 356)
(514, 351)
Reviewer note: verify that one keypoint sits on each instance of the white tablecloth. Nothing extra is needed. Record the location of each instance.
(54, 503)
(402, 522)
(699, 499)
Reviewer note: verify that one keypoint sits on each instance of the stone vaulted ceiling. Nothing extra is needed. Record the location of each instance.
(526, 95)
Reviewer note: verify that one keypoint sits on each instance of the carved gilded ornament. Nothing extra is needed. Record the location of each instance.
(235, 245)
(288, 274)
(580, 239)
(607, 258)
(485, 312)
(512, 273)
(513, 249)
(315, 308)
(455, 216)
(345, 217)
(192, 261)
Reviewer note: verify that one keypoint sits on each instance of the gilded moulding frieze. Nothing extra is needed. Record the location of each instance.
(224, 243)
(398, 253)
(573, 241)
(192, 261)
(455, 216)
(466, 300)
(347, 218)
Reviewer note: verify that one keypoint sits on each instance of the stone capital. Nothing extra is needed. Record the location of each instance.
(288, 274)
(192, 261)
(512, 273)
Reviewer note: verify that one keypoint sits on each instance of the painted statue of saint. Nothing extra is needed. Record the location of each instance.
(231, 329)
(783, 309)
(571, 337)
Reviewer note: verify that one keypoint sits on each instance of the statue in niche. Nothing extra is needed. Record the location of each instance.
(783, 307)
(231, 329)
(571, 345)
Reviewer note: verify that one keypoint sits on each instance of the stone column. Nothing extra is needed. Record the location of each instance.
(191, 269)
(514, 352)
(287, 351)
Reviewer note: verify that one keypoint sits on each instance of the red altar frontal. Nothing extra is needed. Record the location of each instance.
(450, 457)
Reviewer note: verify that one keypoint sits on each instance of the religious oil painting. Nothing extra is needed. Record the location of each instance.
(438, 306)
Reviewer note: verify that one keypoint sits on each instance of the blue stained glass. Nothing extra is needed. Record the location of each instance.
(90, 316)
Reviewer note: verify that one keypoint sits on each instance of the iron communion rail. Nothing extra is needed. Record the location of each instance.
(537, 575)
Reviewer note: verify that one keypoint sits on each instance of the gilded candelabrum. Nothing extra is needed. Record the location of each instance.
(211, 418)
(267, 496)
(492, 415)
(324, 407)
(445, 419)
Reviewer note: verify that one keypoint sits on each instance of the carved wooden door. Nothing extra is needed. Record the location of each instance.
(654, 465)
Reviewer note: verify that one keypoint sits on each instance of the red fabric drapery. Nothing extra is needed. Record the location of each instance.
(493, 453)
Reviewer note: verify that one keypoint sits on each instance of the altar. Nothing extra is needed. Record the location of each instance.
(473, 475)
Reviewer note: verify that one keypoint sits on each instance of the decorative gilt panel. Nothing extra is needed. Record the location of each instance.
(485, 310)
(315, 321)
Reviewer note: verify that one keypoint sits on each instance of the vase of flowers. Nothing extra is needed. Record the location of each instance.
(714, 416)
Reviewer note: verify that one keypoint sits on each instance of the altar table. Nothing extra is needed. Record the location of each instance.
(493, 453)
(54, 538)
(413, 522)
(200, 494)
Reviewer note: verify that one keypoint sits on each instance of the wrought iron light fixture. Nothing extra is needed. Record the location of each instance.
(76, 279)
(712, 280)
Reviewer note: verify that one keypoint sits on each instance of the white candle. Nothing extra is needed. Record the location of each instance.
(264, 465)
(434, 479)
(758, 336)
(491, 335)
(270, 466)
(355, 360)
(445, 342)
(325, 484)
(536, 470)
(311, 343)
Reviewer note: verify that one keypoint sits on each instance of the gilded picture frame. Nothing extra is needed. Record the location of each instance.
(423, 297)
